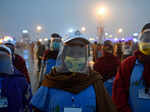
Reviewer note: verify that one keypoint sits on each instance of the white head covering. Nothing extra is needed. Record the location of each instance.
(6, 48)
(6, 52)
(60, 64)
(13, 42)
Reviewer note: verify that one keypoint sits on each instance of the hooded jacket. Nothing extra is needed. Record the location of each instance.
(76, 83)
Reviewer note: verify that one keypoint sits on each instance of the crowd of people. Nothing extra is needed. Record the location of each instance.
(119, 80)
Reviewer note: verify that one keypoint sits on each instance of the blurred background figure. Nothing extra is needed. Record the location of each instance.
(127, 50)
(119, 50)
(39, 54)
(107, 65)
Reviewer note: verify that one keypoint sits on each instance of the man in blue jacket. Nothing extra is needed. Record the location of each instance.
(15, 93)
(72, 86)
(50, 55)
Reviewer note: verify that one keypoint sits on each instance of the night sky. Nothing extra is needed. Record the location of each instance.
(60, 15)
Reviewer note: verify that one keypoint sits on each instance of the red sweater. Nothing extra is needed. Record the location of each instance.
(121, 85)
(107, 65)
(20, 65)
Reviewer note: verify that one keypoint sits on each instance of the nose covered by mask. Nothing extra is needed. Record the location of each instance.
(75, 64)
(55, 45)
(144, 42)
(144, 48)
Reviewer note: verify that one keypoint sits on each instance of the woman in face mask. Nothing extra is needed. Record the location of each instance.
(71, 85)
(131, 91)
(15, 93)
(6, 65)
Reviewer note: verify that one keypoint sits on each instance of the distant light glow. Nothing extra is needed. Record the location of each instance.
(46, 39)
(1, 41)
(25, 31)
(91, 39)
(70, 30)
(110, 36)
(102, 11)
(7, 38)
(40, 40)
(106, 34)
(120, 30)
(123, 39)
(135, 40)
(39, 28)
(83, 29)
(116, 39)
(135, 34)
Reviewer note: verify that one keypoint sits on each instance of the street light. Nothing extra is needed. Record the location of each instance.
(116, 39)
(40, 40)
(39, 28)
(135, 34)
(25, 31)
(120, 30)
(46, 39)
(70, 30)
(106, 34)
(135, 40)
(83, 29)
(102, 11)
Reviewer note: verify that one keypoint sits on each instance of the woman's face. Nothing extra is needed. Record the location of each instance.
(76, 51)
(75, 58)
(145, 37)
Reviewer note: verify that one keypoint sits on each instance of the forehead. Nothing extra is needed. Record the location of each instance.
(55, 39)
(75, 48)
(145, 37)
(75, 51)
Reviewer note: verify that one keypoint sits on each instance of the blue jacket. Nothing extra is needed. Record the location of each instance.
(55, 100)
(139, 101)
(15, 93)
(49, 64)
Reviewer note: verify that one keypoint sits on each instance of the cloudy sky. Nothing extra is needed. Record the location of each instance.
(61, 15)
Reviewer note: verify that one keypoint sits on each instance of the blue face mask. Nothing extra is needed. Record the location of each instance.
(6, 67)
(56, 45)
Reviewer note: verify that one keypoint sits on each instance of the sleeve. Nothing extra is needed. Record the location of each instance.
(45, 55)
(27, 98)
(41, 100)
(121, 90)
(97, 66)
(25, 71)
(21, 66)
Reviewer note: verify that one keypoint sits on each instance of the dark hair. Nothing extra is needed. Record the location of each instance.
(146, 26)
(55, 35)
(108, 42)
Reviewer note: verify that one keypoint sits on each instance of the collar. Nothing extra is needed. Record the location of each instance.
(138, 62)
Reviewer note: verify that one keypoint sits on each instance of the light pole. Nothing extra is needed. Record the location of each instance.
(83, 29)
(39, 28)
(101, 12)
(120, 33)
